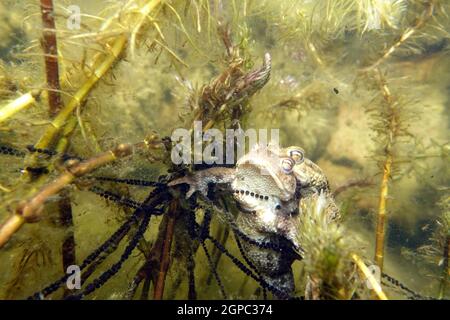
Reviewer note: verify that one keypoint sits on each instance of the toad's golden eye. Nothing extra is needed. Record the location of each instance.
(297, 154)
(287, 164)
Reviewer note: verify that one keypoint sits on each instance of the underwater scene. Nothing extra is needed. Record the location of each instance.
(224, 149)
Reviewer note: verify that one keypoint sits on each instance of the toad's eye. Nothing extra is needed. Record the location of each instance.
(297, 155)
(287, 164)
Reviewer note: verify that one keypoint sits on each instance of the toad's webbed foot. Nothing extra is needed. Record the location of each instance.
(193, 185)
(199, 180)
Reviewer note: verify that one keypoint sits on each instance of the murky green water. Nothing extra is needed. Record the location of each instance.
(361, 86)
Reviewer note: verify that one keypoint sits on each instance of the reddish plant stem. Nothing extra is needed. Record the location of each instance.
(50, 48)
(164, 258)
(68, 246)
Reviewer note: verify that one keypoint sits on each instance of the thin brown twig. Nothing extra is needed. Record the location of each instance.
(361, 183)
(30, 210)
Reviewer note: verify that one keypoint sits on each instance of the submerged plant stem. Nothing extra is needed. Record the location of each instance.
(50, 48)
(381, 218)
(49, 45)
(392, 127)
(164, 261)
(68, 245)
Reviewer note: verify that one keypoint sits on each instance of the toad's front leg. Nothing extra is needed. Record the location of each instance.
(199, 180)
